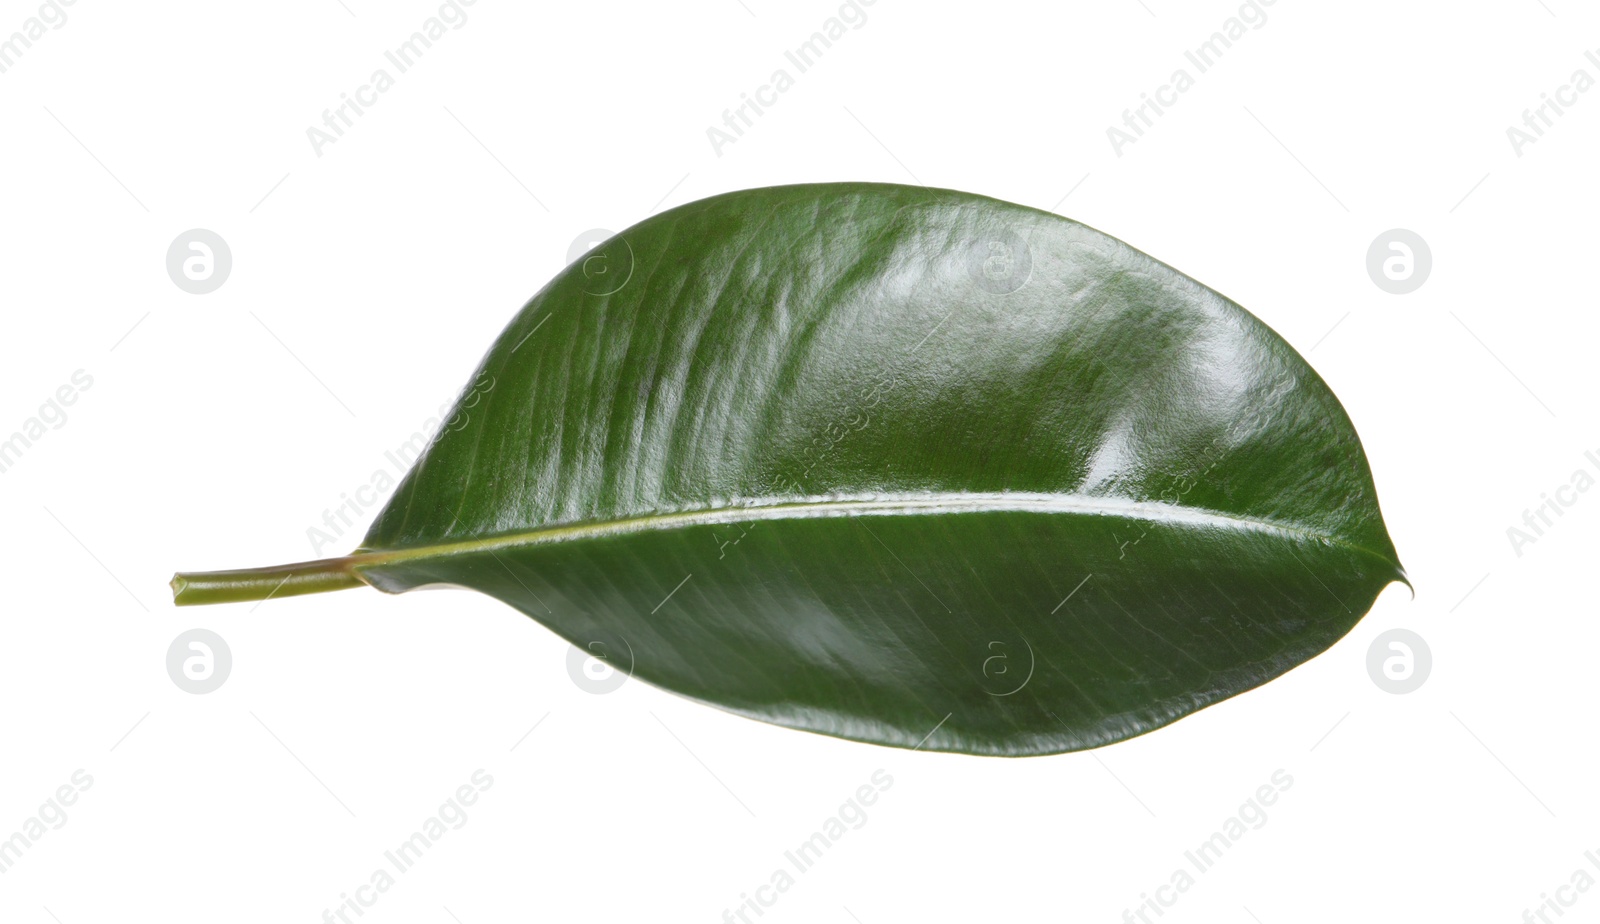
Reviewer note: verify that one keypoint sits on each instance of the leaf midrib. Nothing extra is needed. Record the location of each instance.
(877, 505)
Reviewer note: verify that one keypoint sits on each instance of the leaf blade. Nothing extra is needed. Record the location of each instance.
(848, 438)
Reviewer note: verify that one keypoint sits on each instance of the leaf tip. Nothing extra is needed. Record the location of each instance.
(1401, 576)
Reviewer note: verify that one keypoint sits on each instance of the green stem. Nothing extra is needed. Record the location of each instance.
(193, 588)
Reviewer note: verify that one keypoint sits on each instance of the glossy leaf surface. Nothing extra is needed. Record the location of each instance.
(900, 465)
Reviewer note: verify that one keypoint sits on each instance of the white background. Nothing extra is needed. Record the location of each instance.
(366, 283)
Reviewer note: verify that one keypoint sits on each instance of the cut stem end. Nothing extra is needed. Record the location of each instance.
(194, 588)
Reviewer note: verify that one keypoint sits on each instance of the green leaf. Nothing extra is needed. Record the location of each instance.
(901, 465)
